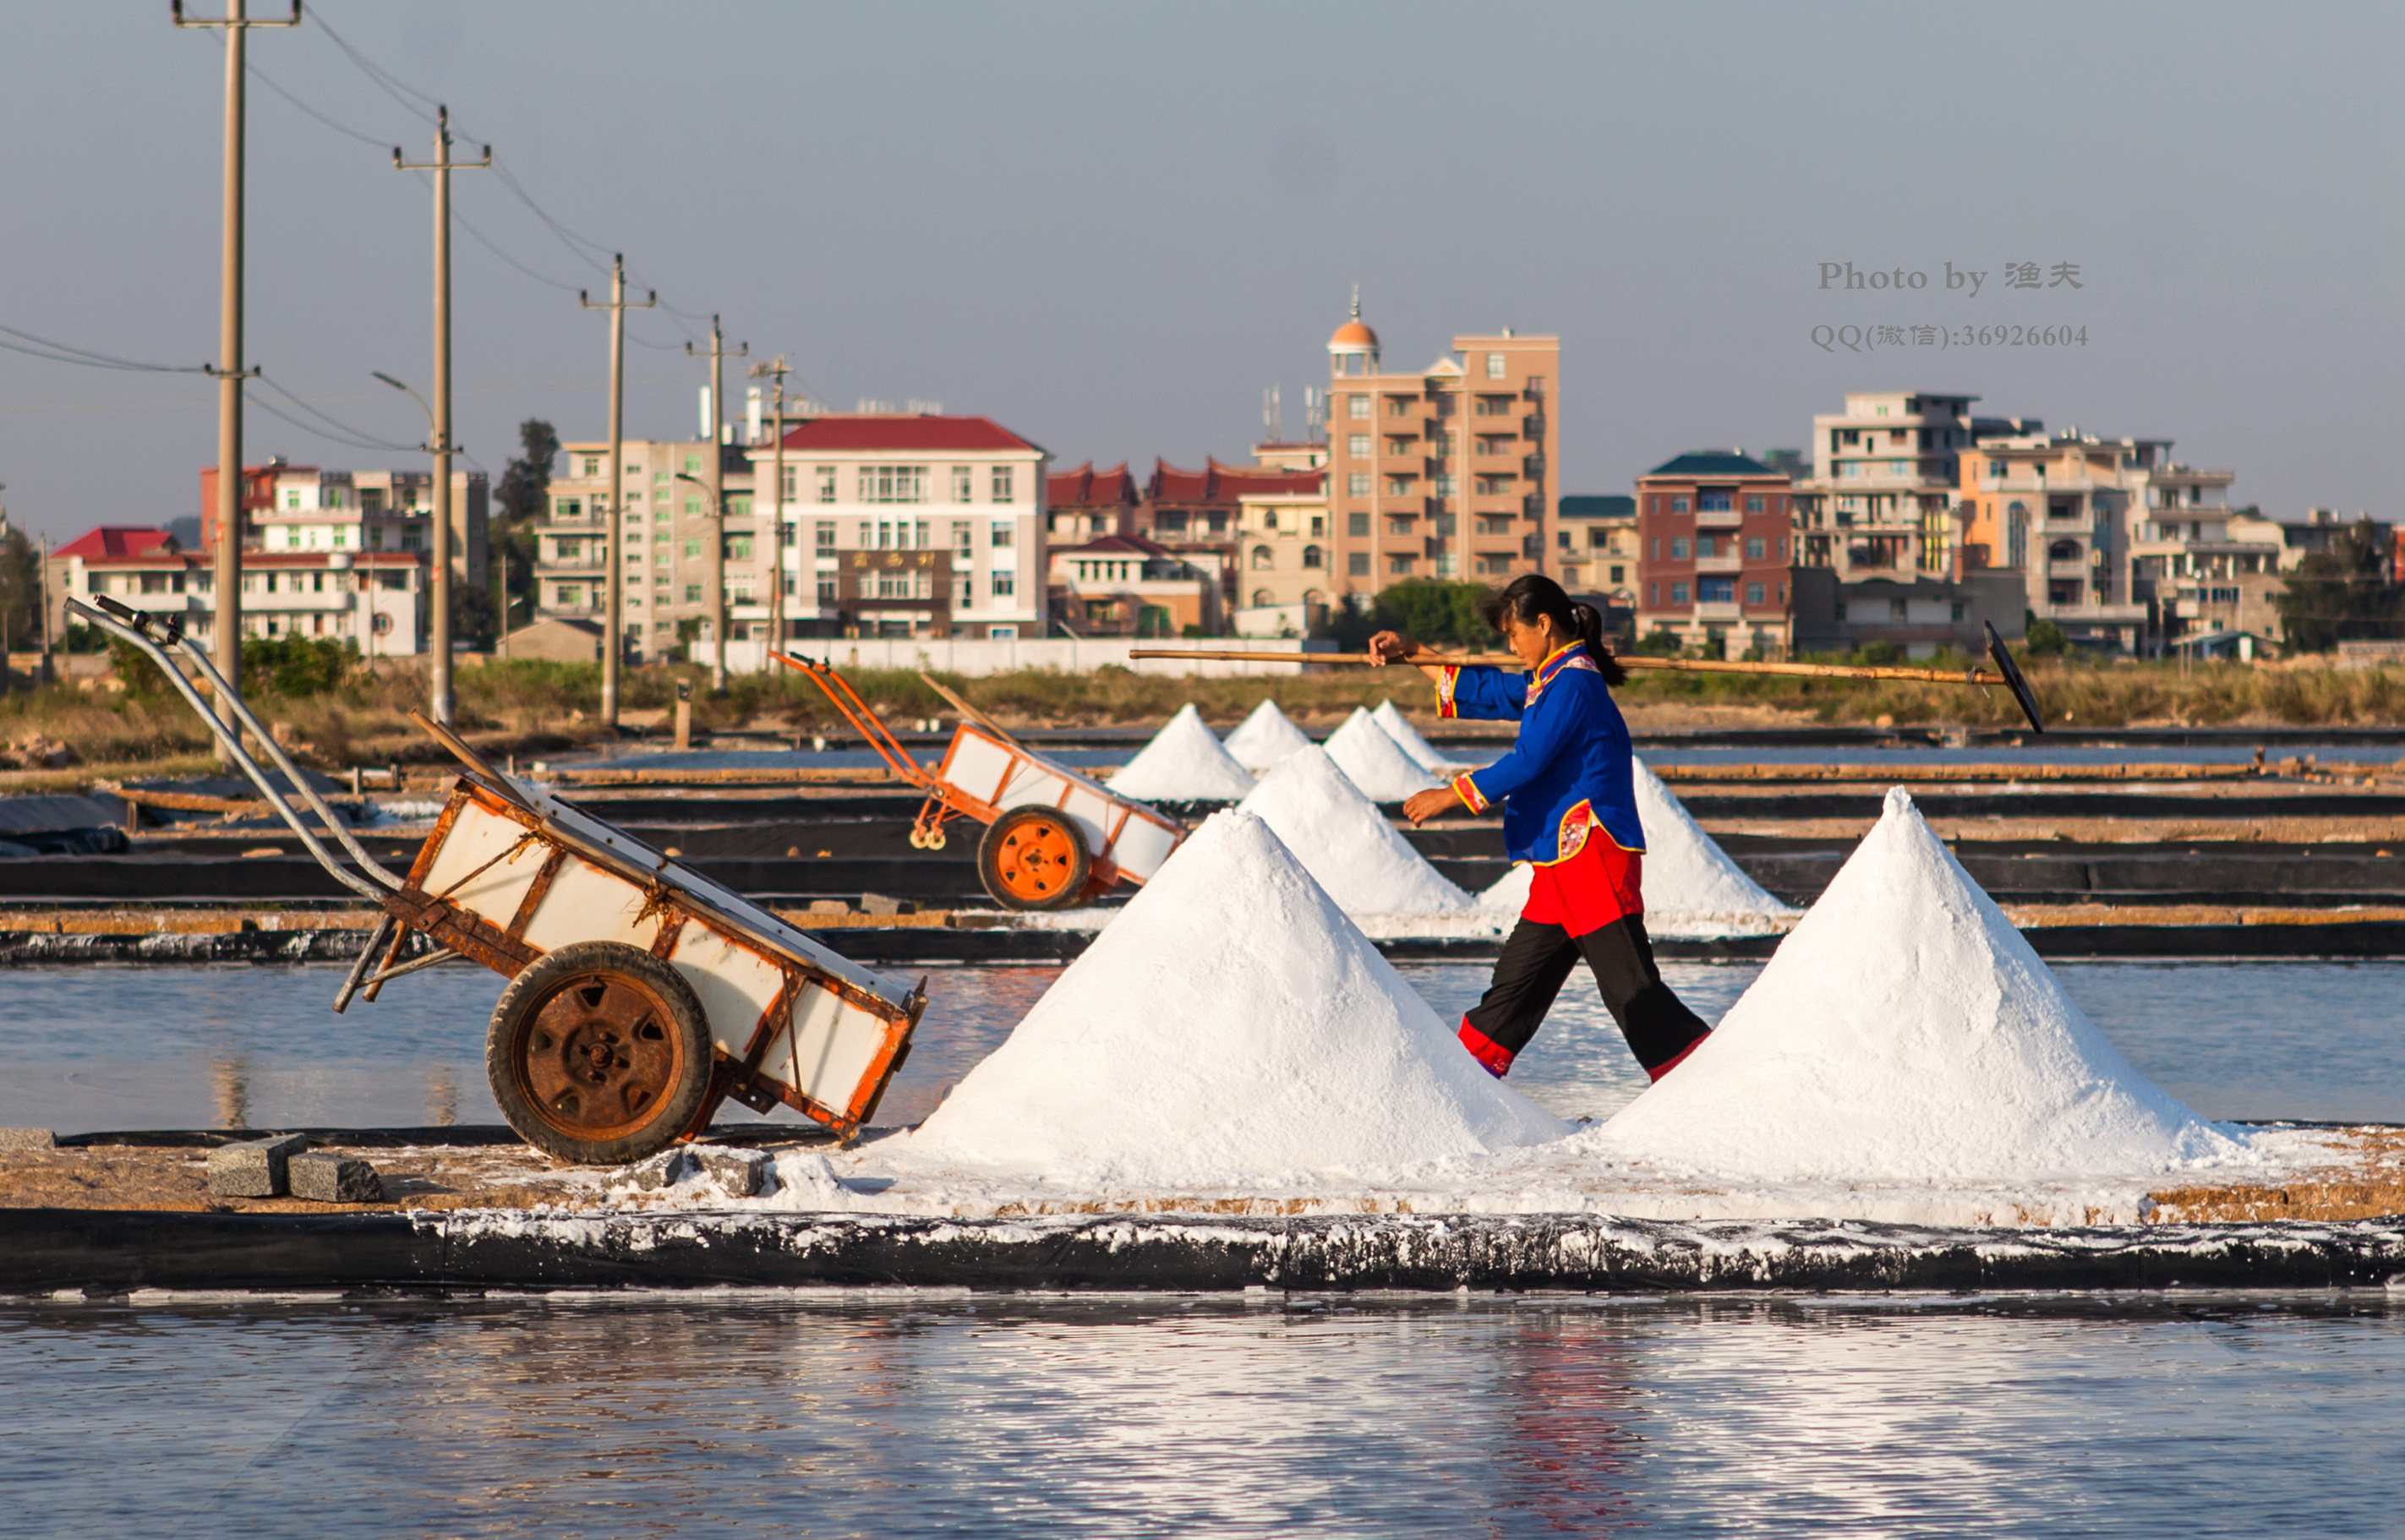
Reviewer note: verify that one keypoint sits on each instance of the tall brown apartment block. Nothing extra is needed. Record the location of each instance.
(1446, 472)
(1713, 527)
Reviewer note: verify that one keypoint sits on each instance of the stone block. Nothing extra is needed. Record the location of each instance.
(257, 1167)
(878, 903)
(334, 1179)
(663, 1169)
(738, 1173)
(27, 1138)
(829, 906)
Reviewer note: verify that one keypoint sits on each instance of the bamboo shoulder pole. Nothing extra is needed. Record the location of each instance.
(1506, 660)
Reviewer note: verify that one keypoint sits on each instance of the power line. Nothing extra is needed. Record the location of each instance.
(67, 353)
(370, 440)
(391, 85)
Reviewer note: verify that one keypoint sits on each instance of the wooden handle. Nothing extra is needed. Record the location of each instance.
(1677, 665)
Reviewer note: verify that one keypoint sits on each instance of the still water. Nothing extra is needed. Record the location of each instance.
(899, 1415)
(87, 1047)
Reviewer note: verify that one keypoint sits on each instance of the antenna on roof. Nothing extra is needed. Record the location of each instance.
(1313, 400)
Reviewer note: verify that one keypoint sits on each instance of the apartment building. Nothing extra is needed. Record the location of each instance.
(1200, 514)
(1714, 530)
(1085, 504)
(307, 507)
(1125, 585)
(1885, 472)
(1446, 473)
(374, 600)
(2117, 544)
(668, 530)
(1596, 547)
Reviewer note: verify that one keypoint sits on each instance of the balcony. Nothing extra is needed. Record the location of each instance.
(1725, 562)
(1719, 609)
(2073, 569)
(1533, 468)
(1720, 518)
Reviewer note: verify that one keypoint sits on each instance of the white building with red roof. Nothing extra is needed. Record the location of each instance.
(906, 524)
(373, 599)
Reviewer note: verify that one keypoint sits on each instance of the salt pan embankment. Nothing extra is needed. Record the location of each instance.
(1265, 738)
(1232, 1027)
(1375, 763)
(1182, 762)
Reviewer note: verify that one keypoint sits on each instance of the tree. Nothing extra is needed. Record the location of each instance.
(20, 592)
(2344, 592)
(523, 496)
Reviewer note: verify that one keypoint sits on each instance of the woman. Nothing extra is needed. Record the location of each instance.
(1569, 798)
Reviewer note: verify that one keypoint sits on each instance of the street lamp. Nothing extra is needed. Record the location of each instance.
(438, 577)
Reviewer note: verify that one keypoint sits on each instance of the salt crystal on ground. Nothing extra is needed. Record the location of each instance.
(1345, 843)
(1906, 1030)
(1375, 763)
(1407, 739)
(1265, 738)
(1182, 762)
(1232, 1025)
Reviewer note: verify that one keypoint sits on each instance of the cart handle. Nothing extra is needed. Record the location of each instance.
(865, 721)
(134, 626)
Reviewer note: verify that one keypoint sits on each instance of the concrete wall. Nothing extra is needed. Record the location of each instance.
(1068, 655)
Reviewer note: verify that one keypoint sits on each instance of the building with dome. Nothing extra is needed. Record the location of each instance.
(1444, 472)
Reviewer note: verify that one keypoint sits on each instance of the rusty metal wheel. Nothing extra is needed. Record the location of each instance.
(598, 1054)
(1034, 858)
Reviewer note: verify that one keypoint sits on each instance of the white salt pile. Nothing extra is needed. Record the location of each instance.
(1375, 763)
(1232, 1025)
(1265, 738)
(1906, 1030)
(1345, 844)
(1407, 739)
(1686, 872)
(1182, 762)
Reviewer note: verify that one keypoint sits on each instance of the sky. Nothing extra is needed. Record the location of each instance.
(1111, 227)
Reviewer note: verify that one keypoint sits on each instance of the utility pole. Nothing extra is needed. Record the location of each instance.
(713, 429)
(438, 602)
(776, 369)
(229, 372)
(614, 622)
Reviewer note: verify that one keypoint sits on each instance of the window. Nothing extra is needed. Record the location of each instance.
(821, 537)
(1002, 483)
(1357, 525)
(1356, 564)
(961, 484)
(1753, 593)
(292, 499)
(828, 587)
(572, 597)
(999, 537)
(1263, 598)
(1619, 574)
(1261, 558)
(1400, 567)
(1678, 593)
(1495, 564)
(1398, 486)
(692, 507)
(961, 539)
(1679, 551)
(592, 468)
(1754, 505)
(738, 549)
(1754, 549)
(561, 508)
(1004, 584)
(692, 465)
(1677, 505)
(1357, 445)
(893, 484)
(1399, 525)
(1398, 406)
(693, 550)
(1358, 483)
(1711, 502)
(1357, 406)
(693, 592)
(785, 485)
(1495, 366)
(1312, 557)
(1654, 593)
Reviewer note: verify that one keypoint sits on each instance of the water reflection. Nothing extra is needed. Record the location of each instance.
(907, 1415)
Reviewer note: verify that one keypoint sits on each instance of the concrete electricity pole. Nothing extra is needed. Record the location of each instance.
(614, 617)
(439, 598)
(229, 372)
(776, 369)
(713, 429)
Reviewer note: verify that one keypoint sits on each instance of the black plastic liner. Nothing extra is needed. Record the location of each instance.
(46, 1250)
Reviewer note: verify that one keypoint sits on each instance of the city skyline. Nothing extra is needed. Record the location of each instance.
(1111, 231)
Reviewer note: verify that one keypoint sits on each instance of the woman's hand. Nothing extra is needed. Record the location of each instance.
(1423, 806)
(1387, 646)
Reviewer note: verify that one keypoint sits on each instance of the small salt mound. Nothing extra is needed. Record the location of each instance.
(1265, 738)
(1346, 844)
(1232, 1025)
(1182, 762)
(1408, 739)
(1686, 872)
(1905, 1030)
(1375, 763)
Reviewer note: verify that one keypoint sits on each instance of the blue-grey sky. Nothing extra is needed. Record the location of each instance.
(1110, 226)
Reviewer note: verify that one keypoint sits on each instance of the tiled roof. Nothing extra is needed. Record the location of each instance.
(1578, 506)
(906, 435)
(1118, 545)
(1712, 462)
(119, 542)
(1085, 486)
(1224, 483)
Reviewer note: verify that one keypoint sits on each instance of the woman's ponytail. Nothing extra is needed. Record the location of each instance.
(1588, 622)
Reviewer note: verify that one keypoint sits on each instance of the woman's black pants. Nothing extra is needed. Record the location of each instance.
(1538, 958)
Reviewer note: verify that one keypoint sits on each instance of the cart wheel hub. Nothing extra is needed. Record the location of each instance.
(596, 1053)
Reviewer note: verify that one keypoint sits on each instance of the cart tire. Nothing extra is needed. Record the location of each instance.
(934, 840)
(1034, 858)
(598, 1054)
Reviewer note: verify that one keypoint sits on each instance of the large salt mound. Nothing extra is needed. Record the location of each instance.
(1182, 762)
(1232, 1025)
(1345, 844)
(1407, 739)
(1686, 872)
(1265, 738)
(1375, 763)
(1906, 1030)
